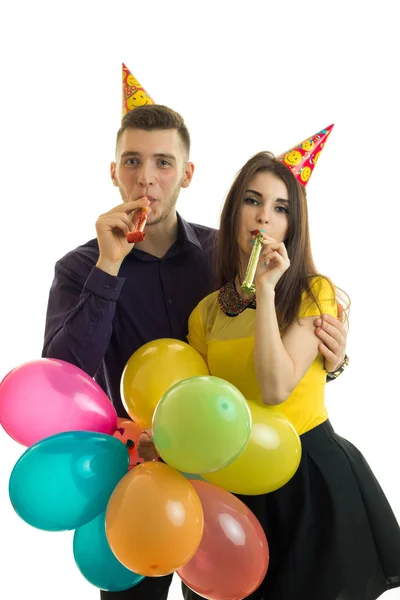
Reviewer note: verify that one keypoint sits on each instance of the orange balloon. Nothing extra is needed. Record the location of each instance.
(154, 520)
(129, 432)
(152, 370)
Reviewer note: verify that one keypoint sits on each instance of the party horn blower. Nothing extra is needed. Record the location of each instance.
(248, 285)
(138, 236)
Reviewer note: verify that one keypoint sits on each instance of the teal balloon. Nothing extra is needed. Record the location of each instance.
(96, 561)
(66, 480)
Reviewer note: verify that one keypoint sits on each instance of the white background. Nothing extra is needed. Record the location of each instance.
(246, 76)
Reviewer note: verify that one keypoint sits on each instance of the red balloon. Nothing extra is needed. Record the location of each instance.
(232, 559)
(128, 432)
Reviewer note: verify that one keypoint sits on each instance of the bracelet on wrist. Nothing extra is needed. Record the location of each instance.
(330, 376)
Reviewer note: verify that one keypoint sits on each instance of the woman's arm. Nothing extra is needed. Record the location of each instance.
(280, 363)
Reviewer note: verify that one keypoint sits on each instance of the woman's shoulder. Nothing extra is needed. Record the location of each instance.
(200, 322)
(320, 285)
(319, 297)
(210, 299)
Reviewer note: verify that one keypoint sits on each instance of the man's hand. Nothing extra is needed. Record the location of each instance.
(112, 228)
(333, 336)
(145, 446)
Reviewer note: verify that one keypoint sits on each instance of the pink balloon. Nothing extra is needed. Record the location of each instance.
(47, 396)
(233, 556)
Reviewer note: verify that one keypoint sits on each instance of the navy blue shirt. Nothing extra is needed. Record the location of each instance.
(97, 321)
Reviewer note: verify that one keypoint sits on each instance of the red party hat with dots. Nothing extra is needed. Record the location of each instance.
(301, 159)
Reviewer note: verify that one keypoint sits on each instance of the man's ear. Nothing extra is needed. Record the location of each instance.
(113, 173)
(189, 170)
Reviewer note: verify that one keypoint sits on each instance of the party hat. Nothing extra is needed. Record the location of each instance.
(301, 159)
(133, 94)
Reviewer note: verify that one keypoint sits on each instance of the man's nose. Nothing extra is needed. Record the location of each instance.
(145, 175)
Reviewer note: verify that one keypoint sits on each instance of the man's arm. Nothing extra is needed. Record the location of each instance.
(82, 305)
(79, 317)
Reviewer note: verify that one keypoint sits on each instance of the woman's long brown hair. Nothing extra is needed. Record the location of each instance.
(297, 279)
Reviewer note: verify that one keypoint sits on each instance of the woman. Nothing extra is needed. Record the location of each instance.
(331, 531)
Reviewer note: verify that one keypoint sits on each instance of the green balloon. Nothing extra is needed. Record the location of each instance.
(201, 424)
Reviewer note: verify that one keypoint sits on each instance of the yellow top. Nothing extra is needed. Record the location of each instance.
(228, 345)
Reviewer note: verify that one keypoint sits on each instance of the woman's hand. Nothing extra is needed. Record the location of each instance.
(274, 261)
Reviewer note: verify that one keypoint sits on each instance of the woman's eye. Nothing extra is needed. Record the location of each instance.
(250, 200)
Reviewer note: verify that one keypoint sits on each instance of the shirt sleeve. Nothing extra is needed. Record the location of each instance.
(197, 335)
(325, 295)
(79, 316)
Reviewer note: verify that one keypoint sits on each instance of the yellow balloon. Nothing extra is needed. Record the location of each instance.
(152, 370)
(269, 460)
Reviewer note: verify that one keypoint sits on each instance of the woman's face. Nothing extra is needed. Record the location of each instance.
(265, 206)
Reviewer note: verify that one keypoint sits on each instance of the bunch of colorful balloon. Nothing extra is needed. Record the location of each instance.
(150, 520)
(201, 425)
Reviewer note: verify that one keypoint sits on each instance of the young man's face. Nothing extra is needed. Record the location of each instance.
(153, 164)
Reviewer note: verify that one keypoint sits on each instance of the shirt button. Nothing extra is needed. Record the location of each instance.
(169, 301)
(95, 319)
(107, 286)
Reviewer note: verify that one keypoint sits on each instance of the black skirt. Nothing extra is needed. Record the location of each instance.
(331, 532)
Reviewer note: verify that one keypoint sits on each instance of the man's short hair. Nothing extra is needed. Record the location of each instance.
(152, 117)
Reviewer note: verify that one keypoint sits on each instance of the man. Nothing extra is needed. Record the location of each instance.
(109, 298)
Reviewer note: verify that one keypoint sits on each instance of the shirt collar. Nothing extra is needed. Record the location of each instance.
(186, 235)
(186, 232)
